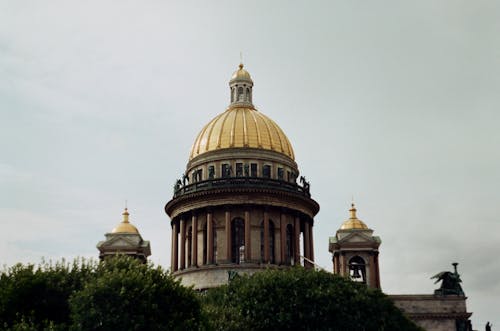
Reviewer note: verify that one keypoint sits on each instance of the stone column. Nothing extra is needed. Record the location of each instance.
(248, 238)
(210, 238)
(183, 244)
(283, 238)
(311, 242)
(228, 236)
(266, 237)
(296, 244)
(194, 240)
(307, 245)
(175, 257)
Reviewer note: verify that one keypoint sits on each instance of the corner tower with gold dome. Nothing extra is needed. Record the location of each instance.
(355, 251)
(124, 239)
(238, 207)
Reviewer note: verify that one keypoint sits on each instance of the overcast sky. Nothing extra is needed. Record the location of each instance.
(393, 102)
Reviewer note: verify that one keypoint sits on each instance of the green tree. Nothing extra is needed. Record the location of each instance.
(300, 299)
(128, 295)
(36, 297)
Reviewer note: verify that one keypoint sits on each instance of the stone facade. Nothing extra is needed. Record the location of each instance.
(435, 312)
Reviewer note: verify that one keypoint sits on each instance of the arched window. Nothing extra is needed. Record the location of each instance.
(240, 94)
(357, 269)
(289, 244)
(238, 240)
(271, 241)
(232, 94)
(189, 242)
(248, 95)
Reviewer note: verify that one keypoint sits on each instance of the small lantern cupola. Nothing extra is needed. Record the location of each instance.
(241, 85)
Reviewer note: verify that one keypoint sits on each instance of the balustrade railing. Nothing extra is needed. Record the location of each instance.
(243, 182)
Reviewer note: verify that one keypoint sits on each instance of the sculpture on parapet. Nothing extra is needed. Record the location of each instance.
(305, 184)
(450, 282)
(177, 185)
(488, 326)
(185, 179)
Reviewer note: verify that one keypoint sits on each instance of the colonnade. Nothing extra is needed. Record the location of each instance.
(287, 255)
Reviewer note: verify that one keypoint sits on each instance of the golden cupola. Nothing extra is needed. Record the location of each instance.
(353, 223)
(125, 226)
(241, 125)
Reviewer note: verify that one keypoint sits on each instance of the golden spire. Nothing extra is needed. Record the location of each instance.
(353, 212)
(125, 215)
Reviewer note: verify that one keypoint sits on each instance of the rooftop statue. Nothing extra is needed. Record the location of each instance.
(450, 282)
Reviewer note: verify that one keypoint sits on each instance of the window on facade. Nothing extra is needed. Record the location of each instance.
(266, 171)
(225, 170)
(253, 169)
(211, 172)
(289, 176)
(280, 173)
(239, 169)
(238, 240)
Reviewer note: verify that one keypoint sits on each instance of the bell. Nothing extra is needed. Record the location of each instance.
(356, 274)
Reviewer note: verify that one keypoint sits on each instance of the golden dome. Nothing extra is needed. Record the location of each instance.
(241, 127)
(241, 74)
(125, 226)
(353, 222)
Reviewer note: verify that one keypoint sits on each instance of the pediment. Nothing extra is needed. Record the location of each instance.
(357, 237)
(120, 241)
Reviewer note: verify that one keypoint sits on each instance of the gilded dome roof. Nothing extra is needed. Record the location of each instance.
(353, 222)
(241, 127)
(241, 74)
(125, 226)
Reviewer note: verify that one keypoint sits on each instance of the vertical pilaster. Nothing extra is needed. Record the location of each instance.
(248, 238)
(183, 244)
(175, 257)
(266, 236)
(376, 271)
(343, 265)
(227, 217)
(194, 241)
(210, 238)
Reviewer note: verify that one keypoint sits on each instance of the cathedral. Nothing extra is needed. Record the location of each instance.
(242, 206)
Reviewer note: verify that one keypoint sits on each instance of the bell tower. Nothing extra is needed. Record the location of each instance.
(355, 251)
